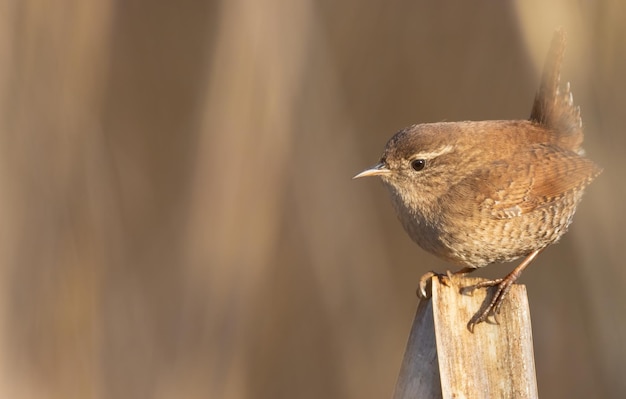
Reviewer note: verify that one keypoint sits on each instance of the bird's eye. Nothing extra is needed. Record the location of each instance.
(418, 164)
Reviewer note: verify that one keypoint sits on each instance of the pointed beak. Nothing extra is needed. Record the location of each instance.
(376, 170)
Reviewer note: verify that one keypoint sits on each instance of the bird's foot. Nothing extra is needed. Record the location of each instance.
(503, 285)
(424, 290)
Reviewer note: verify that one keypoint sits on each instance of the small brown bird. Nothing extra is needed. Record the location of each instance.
(475, 193)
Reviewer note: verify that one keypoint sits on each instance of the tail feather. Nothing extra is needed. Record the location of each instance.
(553, 109)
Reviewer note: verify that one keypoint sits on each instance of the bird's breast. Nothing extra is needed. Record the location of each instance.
(477, 238)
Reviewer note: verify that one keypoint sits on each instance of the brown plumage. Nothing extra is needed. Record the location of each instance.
(475, 193)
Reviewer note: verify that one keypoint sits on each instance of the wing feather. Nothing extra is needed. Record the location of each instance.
(534, 178)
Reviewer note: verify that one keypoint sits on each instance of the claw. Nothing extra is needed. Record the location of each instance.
(425, 279)
(493, 308)
(423, 291)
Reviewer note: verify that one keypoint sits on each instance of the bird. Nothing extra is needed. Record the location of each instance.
(474, 193)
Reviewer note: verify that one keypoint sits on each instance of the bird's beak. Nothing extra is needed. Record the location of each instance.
(376, 170)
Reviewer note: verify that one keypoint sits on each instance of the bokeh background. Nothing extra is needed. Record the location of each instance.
(176, 210)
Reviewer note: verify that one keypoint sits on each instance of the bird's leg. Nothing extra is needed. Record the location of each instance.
(503, 286)
(444, 278)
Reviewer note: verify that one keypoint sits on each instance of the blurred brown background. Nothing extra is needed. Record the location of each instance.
(178, 219)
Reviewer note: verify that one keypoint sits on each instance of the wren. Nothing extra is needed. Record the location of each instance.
(476, 193)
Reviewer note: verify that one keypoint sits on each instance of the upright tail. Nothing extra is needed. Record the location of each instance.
(556, 110)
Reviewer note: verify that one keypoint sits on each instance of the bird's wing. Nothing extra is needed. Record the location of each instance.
(534, 178)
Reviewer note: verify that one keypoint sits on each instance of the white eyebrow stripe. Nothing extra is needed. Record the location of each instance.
(433, 154)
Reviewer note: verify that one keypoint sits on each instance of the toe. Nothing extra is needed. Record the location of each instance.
(423, 291)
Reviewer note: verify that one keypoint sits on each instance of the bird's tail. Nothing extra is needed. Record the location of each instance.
(555, 109)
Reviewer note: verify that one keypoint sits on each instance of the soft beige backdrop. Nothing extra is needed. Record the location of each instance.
(176, 210)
